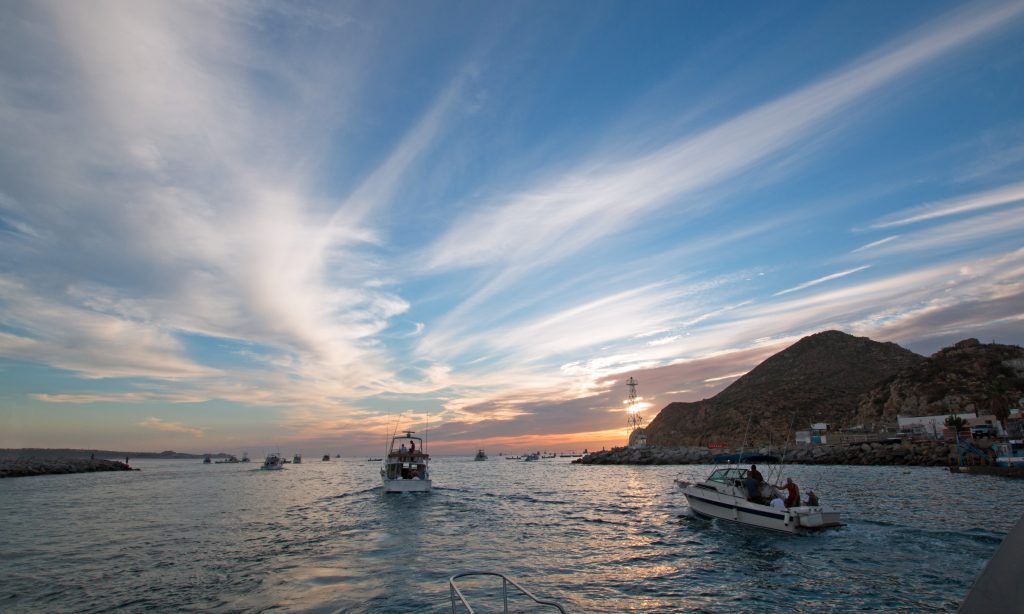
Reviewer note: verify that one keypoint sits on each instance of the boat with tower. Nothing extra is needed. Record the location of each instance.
(406, 468)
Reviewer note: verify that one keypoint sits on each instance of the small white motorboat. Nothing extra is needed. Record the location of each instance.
(533, 456)
(406, 466)
(480, 456)
(723, 495)
(273, 461)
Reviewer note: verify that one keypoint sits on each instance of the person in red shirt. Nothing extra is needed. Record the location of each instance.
(793, 496)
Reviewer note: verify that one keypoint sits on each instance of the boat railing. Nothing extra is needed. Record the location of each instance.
(505, 581)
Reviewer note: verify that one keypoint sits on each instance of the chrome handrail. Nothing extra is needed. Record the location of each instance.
(505, 581)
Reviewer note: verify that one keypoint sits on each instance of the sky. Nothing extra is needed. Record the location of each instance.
(294, 226)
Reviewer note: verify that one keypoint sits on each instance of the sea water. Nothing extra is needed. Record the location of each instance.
(322, 537)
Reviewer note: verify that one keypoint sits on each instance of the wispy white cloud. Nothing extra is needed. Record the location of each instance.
(821, 280)
(172, 427)
(996, 226)
(874, 244)
(725, 377)
(988, 199)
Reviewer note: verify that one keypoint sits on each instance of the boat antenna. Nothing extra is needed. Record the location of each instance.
(743, 446)
(426, 434)
(387, 442)
(785, 450)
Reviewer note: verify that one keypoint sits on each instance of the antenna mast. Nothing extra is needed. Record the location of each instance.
(633, 420)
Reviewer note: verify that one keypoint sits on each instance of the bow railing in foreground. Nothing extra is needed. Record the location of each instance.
(505, 581)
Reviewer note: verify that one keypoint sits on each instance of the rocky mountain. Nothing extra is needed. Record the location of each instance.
(967, 377)
(817, 379)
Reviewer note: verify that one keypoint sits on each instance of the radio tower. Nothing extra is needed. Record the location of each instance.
(633, 420)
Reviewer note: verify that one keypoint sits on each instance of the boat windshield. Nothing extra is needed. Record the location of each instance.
(727, 476)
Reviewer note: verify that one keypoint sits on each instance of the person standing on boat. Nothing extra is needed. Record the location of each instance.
(402, 450)
(754, 473)
(793, 496)
(412, 447)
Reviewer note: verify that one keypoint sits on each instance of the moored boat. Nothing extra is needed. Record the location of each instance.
(1009, 453)
(724, 495)
(273, 461)
(406, 466)
(480, 456)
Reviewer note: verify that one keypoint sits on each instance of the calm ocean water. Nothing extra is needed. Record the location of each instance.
(321, 537)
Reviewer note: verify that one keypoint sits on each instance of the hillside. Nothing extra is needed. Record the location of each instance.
(965, 377)
(817, 379)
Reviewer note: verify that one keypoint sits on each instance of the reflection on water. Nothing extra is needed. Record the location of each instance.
(322, 537)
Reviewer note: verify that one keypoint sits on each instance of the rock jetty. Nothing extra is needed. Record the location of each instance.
(922, 453)
(21, 467)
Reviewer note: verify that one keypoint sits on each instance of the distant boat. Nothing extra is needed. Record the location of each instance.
(273, 461)
(480, 456)
(406, 467)
(297, 459)
(326, 457)
(228, 460)
(206, 459)
(374, 460)
(337, 456)
(245, 457)
(535, 456)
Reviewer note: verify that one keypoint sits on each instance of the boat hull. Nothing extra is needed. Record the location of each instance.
(413, 485)
(804, 519)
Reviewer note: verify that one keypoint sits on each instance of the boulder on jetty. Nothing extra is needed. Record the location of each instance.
(21, 467)
(922, 453)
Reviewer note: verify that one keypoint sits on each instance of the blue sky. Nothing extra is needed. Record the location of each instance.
(249, 225)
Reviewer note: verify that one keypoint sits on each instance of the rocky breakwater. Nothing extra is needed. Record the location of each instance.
(922, 453)
(652, 455)
(21, 467)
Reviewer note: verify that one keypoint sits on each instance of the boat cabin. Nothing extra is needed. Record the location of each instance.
(406, 459)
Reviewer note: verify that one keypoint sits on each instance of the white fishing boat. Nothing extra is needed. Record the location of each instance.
(724, 495)
(273, 461)
(533, 456)
(406, 466)
(480, 456)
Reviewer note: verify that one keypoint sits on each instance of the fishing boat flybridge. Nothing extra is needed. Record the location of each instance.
(406, 466)
(724, 495)
(273, 461)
